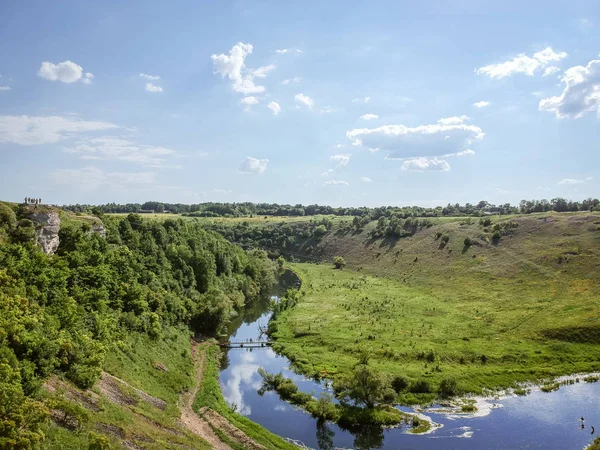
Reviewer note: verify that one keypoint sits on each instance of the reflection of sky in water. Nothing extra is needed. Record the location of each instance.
(537, 421)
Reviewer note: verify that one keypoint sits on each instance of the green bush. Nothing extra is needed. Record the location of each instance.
(496, 236)
(421, 387)
(400, 383)
(468, 242)
(448, 387)
(339, 262)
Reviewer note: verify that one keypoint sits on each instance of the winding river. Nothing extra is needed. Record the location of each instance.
(537, 421)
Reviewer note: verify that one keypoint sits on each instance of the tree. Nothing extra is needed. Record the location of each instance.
(339, 262)
(366, 386)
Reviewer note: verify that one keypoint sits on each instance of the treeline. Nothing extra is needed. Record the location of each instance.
(247, 209)
(61, 314)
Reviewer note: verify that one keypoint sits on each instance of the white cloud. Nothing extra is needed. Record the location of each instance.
(543, 188)
(580, 95)
(341, 159)
(113, 148)
(283, 51)
(249, 101)
(522, 64)
(467, 152)
(253, 165)
(65, 72)
(87, 78)
(425, 164)
(35, 130)
(369, 116)
(365, 179)
(575, 181)
(339, 145)
(221, 191)
(455, 120)
(481, 104)
(305, 100)
(327, 173)
(152, 88)
(424, 140)
(361, 100)
(291, 80)
(336, 183)
(263, 71)
(91, 178)
(233, 67)
(5, 88)
(550, 70)
(150, 77)
(275, 107)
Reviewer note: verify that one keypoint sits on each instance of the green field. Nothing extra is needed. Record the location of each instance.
(488, 315)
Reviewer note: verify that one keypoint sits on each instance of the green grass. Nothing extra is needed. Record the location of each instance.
(210, 395)
(485, 323)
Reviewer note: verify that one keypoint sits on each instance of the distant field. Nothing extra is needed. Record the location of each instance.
(235, 220)
(523, 308)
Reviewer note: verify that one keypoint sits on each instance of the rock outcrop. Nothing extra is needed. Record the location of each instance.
(99, 229)
(47, 226)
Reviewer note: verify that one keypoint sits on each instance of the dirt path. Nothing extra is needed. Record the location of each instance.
(189, 418)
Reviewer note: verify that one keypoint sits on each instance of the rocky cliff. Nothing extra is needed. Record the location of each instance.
(47, 226)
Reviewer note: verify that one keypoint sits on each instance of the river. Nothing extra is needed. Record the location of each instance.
(537, 421)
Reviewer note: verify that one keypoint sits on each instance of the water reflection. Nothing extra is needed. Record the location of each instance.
(241, 373)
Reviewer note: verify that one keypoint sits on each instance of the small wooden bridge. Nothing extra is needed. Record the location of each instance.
(244, 344)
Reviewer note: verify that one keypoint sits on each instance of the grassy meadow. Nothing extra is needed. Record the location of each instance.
(489, 315)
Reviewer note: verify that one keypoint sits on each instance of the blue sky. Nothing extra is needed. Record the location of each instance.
(342, 103)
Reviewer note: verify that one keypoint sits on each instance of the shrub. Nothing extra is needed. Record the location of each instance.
(400, 383)
(320, 230)
(468, 242)
(421, 387)
(496, 236)
(339, 262)
(445, 239)
(448, 387)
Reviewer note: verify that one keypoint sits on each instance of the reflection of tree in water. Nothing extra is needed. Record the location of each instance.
(368, 437)
(325, 435)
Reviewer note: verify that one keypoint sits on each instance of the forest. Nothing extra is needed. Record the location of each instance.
(246, 209)
(62, 314)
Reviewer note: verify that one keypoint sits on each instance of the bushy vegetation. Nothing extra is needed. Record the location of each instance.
(61, 314)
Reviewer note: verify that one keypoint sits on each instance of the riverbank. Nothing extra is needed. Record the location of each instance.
(424, 336)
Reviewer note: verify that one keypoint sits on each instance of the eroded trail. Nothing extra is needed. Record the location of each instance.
(189, 418)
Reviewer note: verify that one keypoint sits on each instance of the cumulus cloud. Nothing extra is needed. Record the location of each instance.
(550, 70)
(365, 179)
(291, 80)
(369, 116)
(575, 181)
(65, 72)
(304, 100)
(36, 130)
(336, 183)
(522, 64)
(233, 67)
(113, 148)
(92, 178)
(481, 104)
(425, 164)
(467, 152)
(404, 142)
(150, 77)
(253, 165)
(249, 101)
(455, 120)
(581, 93)
(341, 159)
(274, 107)
(153, 88)
(5, 88)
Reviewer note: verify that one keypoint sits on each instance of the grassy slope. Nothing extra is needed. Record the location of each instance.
(132, 359)
(504, 301)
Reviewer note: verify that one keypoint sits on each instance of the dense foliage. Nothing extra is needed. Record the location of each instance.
(60, 314)
(247, 209)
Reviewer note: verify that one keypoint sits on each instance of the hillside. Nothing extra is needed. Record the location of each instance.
(518, 308)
